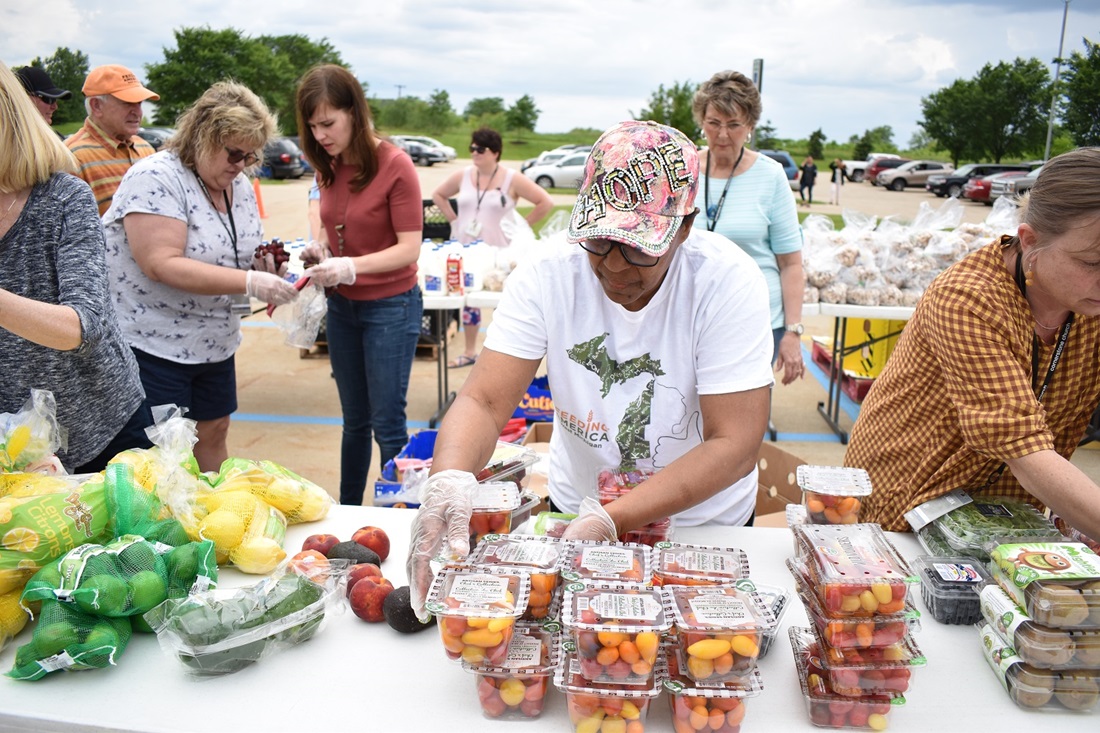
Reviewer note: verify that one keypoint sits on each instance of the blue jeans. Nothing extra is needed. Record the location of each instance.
(371, 345)
(777, 336)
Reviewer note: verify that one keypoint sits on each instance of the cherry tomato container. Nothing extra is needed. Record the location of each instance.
(859, 672)
(833, 494)
(592, 561)
(493, 505)
(705, 707)
(612, 483)
(854, 569)
(509, 462)
(777, 599)
(719, 629)
(516, 689)
(477, 610)
(825, 707)
(540, 557)
(616, 629)
(597, 706)
(685, 564)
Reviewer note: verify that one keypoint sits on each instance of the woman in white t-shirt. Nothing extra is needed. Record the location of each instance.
(182, 231)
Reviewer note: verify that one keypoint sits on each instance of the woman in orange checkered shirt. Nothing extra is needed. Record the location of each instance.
(998, 372)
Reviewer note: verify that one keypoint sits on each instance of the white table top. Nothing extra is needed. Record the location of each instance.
(360, 677)
(887, 312)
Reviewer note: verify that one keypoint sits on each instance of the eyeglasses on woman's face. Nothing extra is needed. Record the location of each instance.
(236, 156)
(478, 149)
(633, 255)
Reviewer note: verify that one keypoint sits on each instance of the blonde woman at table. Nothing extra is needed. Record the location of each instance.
(997, 373)
(746, 198)
(372, 217)
(487, 194)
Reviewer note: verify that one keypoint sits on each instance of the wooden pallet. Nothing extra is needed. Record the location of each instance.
(320, 349)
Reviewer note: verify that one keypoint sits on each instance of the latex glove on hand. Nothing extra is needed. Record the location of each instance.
(269, 288)
(441, 527)
(592, 523)
(314, 253)
(266, 263)
(333, 271)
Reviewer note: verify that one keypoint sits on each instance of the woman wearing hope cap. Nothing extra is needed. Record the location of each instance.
(998, 371)
(654, 331)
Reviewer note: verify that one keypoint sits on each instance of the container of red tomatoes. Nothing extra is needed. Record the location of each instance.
(613, 483)
(617, 562)
(825, 706)
(516, 688)
(541, 557)
(833, 494)
(493, 504)
(598, 706)
(678, 563)
(477, 609)
(616, 629)
(705, 707)
(859, 672)
(719, 629)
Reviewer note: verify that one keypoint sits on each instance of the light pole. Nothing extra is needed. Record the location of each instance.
(1057, 72)
(402, 86)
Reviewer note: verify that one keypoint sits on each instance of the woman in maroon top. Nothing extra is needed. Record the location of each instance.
(372, 218)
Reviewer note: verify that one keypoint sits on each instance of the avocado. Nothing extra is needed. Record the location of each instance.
(397, 609)
(351, 550)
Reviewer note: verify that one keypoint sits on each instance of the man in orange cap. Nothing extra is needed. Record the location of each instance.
(107, 145)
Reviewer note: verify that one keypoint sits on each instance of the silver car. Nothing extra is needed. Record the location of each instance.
(913, 173)
(1013, 187)
(566, 173)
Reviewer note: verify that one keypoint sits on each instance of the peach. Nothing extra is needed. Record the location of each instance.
(373, 538)
(310, 564)
(362, 570)
(367, 597)
(322, 543)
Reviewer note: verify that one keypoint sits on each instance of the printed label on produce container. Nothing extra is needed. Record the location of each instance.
(524, 651)
(1025, 563)
(479, 590)
(537, 554)
(992, 510)
(607, 559)
(56, 662)
(957, 572)
(999, 655)
(721, 610)
(708, 563)
(1001, 612)
(633, 606)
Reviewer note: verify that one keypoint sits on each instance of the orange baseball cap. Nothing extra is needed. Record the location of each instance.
(118, 81)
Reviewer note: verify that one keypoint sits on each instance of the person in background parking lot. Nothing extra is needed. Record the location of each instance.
(43, 92)
(746, 198)
(806, 181)
(838, 173)
(487, 195)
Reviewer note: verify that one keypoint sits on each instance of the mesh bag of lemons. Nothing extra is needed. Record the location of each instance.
(32, 435)
(299, 499)
(67, 638)
(43, 517)
(13, 617)
(135, 511)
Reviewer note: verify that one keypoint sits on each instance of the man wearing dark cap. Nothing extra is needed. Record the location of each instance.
(657, 342)
(43, 92)
(107, 145)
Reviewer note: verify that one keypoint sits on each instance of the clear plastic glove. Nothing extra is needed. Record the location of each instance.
(333, 271)
(592, 523)
(269, 288)
(441, 527)
(314, 253)
(266, 263)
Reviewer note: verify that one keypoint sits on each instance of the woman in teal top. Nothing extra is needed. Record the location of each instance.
(746, 198)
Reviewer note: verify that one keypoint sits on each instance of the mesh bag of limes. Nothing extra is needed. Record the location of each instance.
(90, 596)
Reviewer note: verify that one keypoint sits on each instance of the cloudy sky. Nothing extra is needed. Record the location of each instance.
(841, 65)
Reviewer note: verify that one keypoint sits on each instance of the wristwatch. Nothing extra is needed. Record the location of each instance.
(795, 328)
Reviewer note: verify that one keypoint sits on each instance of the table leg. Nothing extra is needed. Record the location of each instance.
(831, 410)
(443, 383)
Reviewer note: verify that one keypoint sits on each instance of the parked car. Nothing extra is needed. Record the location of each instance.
(1014, 187)
(857, 169)
(282, 159)
(420, 154)
(978, 189)
(784, 159)
(431, 144)
(156, 136)
(878, 165)
(565, 173)
(545, 158)
(914, 173)
(305, 162)
(951, 184)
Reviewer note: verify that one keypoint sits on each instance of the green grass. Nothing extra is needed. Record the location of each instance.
(517, 146)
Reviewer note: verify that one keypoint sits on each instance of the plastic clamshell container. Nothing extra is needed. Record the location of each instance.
(719, 629)
(934, 543)
(516, 689)
(833, 494)
(1039, 646)
(825, 707)
(777, 599)
(854, 569)
(477, 609)
(615, 629)
(950, 587)
(552, 524)
(595, 561)
(796, 515)
(592, 706)
(527, 504)
(685, 564)
(509, 462)
(612, 483)
(723, 706)
(974, 528)
(859, 672)
(1031, 687)
(493, 505)
(1057, 583)
(874, 632)
(650, 534)
(541, 557)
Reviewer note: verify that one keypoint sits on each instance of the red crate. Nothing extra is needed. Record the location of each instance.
(856, 387)
(822, 355)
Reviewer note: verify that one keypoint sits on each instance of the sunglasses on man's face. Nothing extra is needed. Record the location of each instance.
(478, 149)
(236, 156)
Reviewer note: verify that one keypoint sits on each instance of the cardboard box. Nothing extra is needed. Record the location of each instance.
(539, 432)
(777, 485)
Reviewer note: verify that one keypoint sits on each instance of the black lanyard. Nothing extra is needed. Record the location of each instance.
(481, 194)
(713, 212)
(231, 229)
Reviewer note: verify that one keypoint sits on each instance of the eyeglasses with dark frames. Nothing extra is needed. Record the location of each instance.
(633, 255)
(478, 149)
(236, 156)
